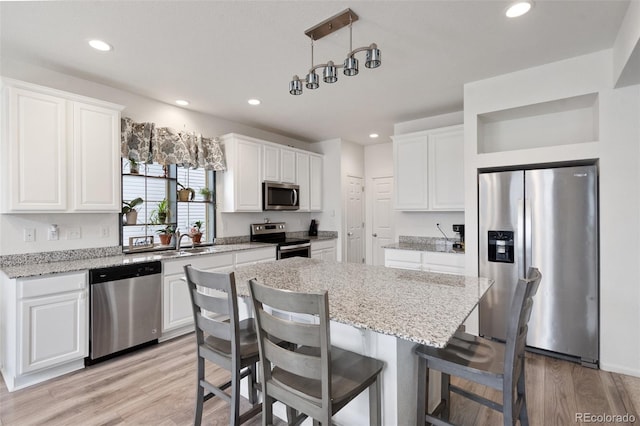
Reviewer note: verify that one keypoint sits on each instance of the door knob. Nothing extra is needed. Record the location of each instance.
(374, 235)
(349, 233)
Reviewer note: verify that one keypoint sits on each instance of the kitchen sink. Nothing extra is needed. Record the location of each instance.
(194, 250)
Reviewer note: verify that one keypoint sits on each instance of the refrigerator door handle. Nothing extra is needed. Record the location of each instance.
(520, 241)
(527, 236)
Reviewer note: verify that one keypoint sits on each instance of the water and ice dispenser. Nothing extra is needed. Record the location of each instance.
(501, 247)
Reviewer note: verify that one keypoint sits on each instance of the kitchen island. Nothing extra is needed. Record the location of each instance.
(382, 313)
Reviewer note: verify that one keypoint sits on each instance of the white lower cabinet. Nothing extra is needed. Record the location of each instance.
(324, 250)
(177, 316)
(431, 261)
(45, 327)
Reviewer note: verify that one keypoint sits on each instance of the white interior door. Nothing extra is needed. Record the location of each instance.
(355, 221)
(382, 224)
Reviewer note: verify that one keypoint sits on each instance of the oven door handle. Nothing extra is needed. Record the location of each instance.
(295, 247)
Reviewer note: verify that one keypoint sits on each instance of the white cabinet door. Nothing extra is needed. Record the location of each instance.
(410, 167)
(271, 163)
(247, 176)
(52, 330)
(176, 303)
(403, 259)
(302, 161)
(446, 171)
(288, 165)
(315, 183)
(96, 158)
(35, 168)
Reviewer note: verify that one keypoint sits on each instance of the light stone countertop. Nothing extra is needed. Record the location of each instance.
(421, 307)
(46, 267)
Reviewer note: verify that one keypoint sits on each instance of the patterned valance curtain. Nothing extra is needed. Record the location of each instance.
(144, 142)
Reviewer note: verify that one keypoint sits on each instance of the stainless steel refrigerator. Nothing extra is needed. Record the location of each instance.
(546, 218)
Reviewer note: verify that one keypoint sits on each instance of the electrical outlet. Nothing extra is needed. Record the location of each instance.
(53, 233)
(104, 232)
(29, 235)
(73, 233)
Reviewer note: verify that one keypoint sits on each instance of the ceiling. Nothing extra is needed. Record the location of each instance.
(218, 54)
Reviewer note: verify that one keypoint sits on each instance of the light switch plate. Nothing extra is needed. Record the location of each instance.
(104, 231)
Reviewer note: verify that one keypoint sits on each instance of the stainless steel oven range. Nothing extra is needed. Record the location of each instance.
(276, 233)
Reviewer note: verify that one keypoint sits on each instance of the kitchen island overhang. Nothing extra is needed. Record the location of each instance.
(379, 312)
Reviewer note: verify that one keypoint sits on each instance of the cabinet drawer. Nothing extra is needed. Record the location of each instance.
(321, 245)
(198, 262)
(51, 284)
(256, 255)
(448, 259)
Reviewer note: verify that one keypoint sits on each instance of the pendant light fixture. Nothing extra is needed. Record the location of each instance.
(350, 64)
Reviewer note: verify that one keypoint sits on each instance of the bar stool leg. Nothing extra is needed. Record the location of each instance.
(445, 395)
(199, 393)
(375, 395)
(422, 391)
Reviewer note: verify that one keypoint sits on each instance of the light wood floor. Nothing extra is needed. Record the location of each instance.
(156, 386)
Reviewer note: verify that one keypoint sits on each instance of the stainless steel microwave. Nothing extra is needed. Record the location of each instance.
(280, 196)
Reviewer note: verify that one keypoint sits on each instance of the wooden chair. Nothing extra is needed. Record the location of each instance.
(315, 379)
(224, 340)
(499, 366)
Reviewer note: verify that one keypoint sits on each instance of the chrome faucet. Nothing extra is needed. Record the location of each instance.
(179, 240)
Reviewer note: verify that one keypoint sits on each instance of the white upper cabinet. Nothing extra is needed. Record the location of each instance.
(446, 171)
(428, 170)
(241, 183)
(288, 161)
(34, 172)
(315, 182)
(96, 158)
(61, 152)
(251, 161)
(271, 163)
(302, 162)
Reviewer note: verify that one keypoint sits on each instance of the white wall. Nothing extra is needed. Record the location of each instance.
(626, 49)
(139, 108)
(330, 217)
(378, 162)
(617, 150)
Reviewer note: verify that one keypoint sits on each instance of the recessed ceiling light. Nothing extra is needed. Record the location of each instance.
(103, 46)
(373, 135)
(182, 102)
(254, 101)
(518, 9)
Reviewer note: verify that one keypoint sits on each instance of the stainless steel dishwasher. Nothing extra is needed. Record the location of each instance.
(125, 308)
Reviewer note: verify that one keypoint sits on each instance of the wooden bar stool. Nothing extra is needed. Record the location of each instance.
(499, 366)
(224, 340)
(315, 379)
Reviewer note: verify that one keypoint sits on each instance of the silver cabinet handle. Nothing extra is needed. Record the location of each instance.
(374, 235)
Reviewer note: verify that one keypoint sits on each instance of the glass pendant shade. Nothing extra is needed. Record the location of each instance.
(351, 66)
(373, 57)
(313, 81)
(295, 86)
(329, 74)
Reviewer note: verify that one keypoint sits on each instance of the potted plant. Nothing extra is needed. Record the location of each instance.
(165, 234)
(134, 166)
(185, 194)
(206, 193)
(130, 213)
(162, 211)
(196, 232)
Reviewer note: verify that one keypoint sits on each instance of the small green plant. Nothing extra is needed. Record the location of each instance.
(197, 227)
(206, 193)
(128, 207)
(161, 211)
(167, 230)
(134, 166)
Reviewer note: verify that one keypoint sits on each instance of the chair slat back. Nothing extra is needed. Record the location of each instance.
(210, 313)
(314, 363)
(517, 328)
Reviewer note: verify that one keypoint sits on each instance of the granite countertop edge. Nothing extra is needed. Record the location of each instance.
(64, 266)
(421, 247)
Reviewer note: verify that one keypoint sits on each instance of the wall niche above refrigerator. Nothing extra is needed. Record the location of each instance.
(560, 122)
